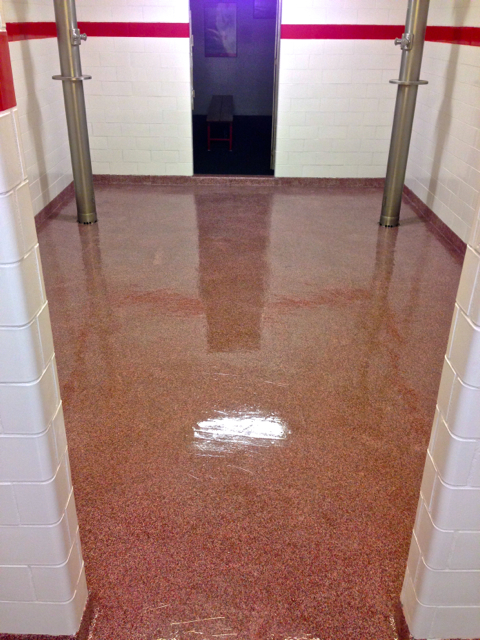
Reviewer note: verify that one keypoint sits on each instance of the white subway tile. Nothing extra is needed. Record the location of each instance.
(36, 545)
(16, 584)
(57, 583)
(453, 457)
(44, 502)
(419, 617)
(28, 458)
(428, 481)
(469, 290)
(8, 507)
(48, 618)
(30, 408)
(455, 622)
(455, 508)
(446, 388)
(21, 290)
(11, 169)
(26, 350)
(446, 587)
(17, 226)
(465, 552)
(464, 354)
(436, 544)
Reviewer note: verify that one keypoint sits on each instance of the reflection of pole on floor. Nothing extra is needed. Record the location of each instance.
(69, 40)
(412, 43)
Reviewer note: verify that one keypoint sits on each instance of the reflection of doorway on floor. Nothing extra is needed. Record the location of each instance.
(245, 70)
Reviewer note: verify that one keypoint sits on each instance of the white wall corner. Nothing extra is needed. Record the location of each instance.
(42, 579)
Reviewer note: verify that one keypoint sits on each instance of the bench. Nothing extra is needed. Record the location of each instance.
(220, 110)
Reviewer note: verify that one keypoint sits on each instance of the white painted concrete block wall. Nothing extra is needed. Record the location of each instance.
(336, 106)
(40, 106)
(441, 592)
(138, 103)
(335, 102)
(444, 164)
(42, 580)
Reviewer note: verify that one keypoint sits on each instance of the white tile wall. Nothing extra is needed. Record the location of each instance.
(442, 583)
(335, 108)
(42, 583)
(101, 11)
(41, 113)
(442, 12)
(444, 163)
(138, 105)
(21, 289)
(138, 84)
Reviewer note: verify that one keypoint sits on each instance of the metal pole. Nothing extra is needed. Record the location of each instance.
(411, 43)
(69, 40)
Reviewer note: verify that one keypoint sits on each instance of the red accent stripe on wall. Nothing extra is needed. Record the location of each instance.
(7, 90)
(450, 35)
(340, 32)
(454, 35)
(34, 30)
(31, 30)
(136, 29)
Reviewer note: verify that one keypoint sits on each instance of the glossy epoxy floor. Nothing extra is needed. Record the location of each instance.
(249, 378)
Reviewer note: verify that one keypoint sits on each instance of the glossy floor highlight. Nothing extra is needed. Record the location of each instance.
(249, 377)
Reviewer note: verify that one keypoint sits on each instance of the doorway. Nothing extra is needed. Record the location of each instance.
(234, 52)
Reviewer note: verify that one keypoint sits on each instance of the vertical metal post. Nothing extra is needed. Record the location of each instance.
(411, 43)
(69, 40)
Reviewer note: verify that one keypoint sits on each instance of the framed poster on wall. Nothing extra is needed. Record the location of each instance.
(221, 30)
(264, 8)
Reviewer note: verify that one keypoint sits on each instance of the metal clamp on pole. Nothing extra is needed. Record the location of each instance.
(77, 37)
(69, 41)
(411, 43)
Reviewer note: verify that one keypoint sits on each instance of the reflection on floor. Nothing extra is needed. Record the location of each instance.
(249, 377)
(250, 155)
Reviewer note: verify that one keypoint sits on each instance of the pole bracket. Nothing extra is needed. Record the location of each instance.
(408, 83)
(405, 42)
(77, 37)
(72, 78)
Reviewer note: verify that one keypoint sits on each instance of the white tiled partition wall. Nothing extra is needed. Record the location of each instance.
(40, 105)
(444, 164)
(138, 105)
(336, 104)
(139, 101)
(441, 592)
(42, 580)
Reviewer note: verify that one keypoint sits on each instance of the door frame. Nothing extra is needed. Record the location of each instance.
(276, 72)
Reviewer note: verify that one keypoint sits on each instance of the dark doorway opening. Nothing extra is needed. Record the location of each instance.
(239, 62)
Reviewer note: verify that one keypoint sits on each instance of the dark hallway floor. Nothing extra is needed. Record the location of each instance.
(250, 156)
(249, 377)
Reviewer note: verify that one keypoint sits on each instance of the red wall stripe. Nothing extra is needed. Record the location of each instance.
(454, 35)
(34, 30)
(31, 30)
(136, 29)
(450, 35)
(340, 32)
(7, 90)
